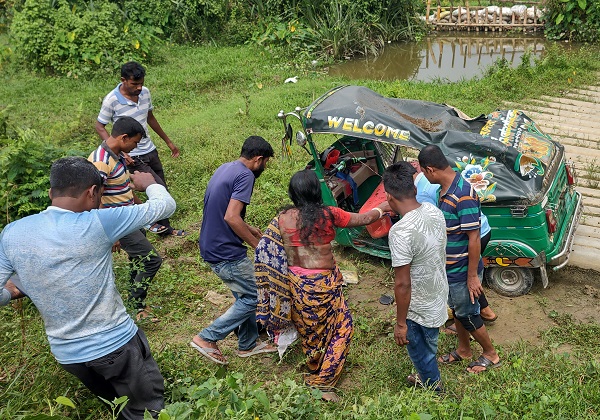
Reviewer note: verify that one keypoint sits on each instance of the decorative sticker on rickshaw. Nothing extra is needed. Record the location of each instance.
(356, 126)
(476, 173)
(528, 166)
(508, 261)
(514, 128)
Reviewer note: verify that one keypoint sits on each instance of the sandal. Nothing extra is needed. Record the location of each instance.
(179, 232)
(210, 353)
(445, 359)
(157, 228)
(483, 362)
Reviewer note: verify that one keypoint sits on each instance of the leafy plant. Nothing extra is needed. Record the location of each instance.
(229, 396)
(61, 38)
(575, 20)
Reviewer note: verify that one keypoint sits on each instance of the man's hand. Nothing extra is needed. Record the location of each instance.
(141, 180)
(400, 332)
(475, 288)
(255, 232)
(116, 247)
(174, 150)
(129, 161)
(385, 207)
(14, 292)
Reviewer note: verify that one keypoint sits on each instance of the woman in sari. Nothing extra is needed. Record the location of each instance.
(300, 284)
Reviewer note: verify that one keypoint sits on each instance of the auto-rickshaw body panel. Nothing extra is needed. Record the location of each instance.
(519, 173)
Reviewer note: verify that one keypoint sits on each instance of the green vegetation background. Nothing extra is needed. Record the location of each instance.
(209, 99)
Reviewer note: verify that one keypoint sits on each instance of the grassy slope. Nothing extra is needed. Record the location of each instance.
(209, 100)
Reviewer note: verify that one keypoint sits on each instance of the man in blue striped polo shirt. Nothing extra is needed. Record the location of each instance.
(132, 99)
(464, 267)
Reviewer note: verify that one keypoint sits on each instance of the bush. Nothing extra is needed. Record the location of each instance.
(25, 160)
(68, 41)
(575, 20)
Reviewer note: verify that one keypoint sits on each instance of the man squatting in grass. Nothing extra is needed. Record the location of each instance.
(222, 236)
(68, 274)
(418, 249)
(464, 268)
(132, 99)
(108, 158)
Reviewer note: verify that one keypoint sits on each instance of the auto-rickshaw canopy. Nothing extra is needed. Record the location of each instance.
(504, 155)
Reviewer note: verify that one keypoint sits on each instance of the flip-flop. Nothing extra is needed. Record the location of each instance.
(258, 349)
(489, 320)
(157, 228)
(483, 362)
(445, 359)
(208, 353)
(179, 232)
(414, 380)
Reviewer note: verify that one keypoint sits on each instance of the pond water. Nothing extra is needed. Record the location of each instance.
(447, 57)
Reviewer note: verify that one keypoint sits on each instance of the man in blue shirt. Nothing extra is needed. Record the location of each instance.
(70, 280)
(464, 267)
(221, 242)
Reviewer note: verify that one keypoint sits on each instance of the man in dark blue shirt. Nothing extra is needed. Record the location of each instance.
(222, 237)
(464, 267)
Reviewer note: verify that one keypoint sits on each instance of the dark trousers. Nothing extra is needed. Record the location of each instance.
(483, 302)
(130, 370)
(150, 163)
(144, 263)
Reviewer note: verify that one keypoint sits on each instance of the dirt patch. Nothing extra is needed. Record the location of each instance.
(571, 291)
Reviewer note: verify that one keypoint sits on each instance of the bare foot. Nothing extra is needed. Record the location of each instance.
(146, 315)
(330, 397)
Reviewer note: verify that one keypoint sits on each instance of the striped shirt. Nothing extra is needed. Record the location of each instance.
(117, 191)
(115, 106)
(461, 209)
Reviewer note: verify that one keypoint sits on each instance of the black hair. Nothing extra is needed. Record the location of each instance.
(432, 156)
(133, 70)
(71, 176)
(398, 180)
(129, 126)
(256, 146)
(305, 192)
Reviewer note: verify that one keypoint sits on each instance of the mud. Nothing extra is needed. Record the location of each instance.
(571, 291)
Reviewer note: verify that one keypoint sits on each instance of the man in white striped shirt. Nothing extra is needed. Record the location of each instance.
(132, 99)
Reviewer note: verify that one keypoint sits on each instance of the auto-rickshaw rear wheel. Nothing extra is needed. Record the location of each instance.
(509, 281)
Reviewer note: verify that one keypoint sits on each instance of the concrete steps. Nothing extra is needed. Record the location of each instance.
(573, 119)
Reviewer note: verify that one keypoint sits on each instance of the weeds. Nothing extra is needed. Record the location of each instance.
(197, 94)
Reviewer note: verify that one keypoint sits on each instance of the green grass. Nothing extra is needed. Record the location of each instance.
(209, 100)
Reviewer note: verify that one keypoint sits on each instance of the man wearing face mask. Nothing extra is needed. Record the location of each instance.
(221, 242)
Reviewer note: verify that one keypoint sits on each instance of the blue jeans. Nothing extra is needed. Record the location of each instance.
(239, 277)
(422, 348)
(465, 312)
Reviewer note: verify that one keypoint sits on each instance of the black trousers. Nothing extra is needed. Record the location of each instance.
(130, 370)
(144, 263)
(150, 163)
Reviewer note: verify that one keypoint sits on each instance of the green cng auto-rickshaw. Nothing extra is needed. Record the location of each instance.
(519, 173)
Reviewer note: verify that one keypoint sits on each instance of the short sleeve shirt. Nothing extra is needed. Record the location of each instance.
(428, 193)
(419, 239)
(218, 242)
(115, 106)
(461, 209)
(117, 189)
